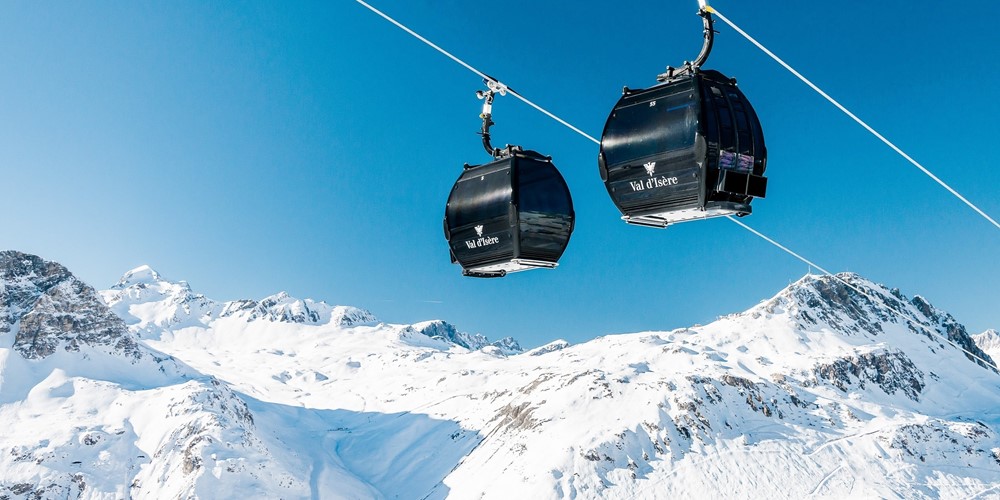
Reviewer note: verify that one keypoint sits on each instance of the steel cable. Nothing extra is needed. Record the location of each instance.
(854, 117)
(741, 224)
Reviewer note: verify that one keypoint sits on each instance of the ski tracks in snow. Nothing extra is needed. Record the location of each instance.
(824, 480)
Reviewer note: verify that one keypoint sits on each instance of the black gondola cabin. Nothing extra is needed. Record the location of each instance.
(512, 214)
(689, 148)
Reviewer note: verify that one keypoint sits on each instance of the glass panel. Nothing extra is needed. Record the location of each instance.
(541, 189)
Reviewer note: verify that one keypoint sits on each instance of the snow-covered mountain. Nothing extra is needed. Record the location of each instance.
(828, 388)
(91, 412)
(989, 342)
(152, 305)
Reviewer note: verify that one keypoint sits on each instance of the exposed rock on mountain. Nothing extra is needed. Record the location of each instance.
(90, 412)
(556, 345)
(852, 305)
(47, 308)
(834, 387)
(890, 371)
(438, 329)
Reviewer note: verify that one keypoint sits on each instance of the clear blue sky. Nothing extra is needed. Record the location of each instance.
(253, 147)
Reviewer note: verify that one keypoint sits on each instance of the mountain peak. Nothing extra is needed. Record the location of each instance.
(838, 284)
(852, 305)
(283, 308)
(18, 265)
(47, 308)
(845, 301)
(143, 274)
(442, 330)
(281, 296)
(989, 342)
(556, 345)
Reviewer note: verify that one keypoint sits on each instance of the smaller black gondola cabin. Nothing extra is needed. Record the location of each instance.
(512, 214)
(689, 148)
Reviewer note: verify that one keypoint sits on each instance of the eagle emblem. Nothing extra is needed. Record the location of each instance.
(479, 230)
(650, 168)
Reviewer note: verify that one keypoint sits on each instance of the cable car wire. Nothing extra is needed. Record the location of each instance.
(779, 245)
(853, 116)
(482, 75)
(741, 224)
(849, 285)
(575, 129)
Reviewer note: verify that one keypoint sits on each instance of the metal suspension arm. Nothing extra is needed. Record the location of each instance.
(487, 116)
(706, 48)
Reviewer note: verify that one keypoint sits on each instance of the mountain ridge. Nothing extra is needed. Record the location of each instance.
(179, 305)
(835, 386)
(99, 413)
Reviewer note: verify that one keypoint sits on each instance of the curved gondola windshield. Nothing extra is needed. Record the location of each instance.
(542, 190)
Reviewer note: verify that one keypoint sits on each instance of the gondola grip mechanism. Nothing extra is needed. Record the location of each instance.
(496, 86)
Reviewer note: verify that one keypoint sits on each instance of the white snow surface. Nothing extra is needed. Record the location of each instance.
(817, 391)
(989, 341)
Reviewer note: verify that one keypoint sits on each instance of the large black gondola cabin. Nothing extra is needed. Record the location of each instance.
(512, 214)
(689, 148)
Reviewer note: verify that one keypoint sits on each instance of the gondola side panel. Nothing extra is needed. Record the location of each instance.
(478, 215)
(651, 155)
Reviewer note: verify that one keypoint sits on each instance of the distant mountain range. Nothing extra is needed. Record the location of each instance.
(835, 387)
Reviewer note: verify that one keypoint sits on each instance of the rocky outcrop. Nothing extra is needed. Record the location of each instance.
(442, 330)
(891, 371)
(945, 324)
(48, 308)
(852, 305)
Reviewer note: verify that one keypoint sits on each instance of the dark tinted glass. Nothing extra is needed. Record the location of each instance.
(541, 189)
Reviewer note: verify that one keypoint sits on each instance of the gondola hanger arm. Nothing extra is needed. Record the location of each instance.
(705, 12)
(494, 87)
